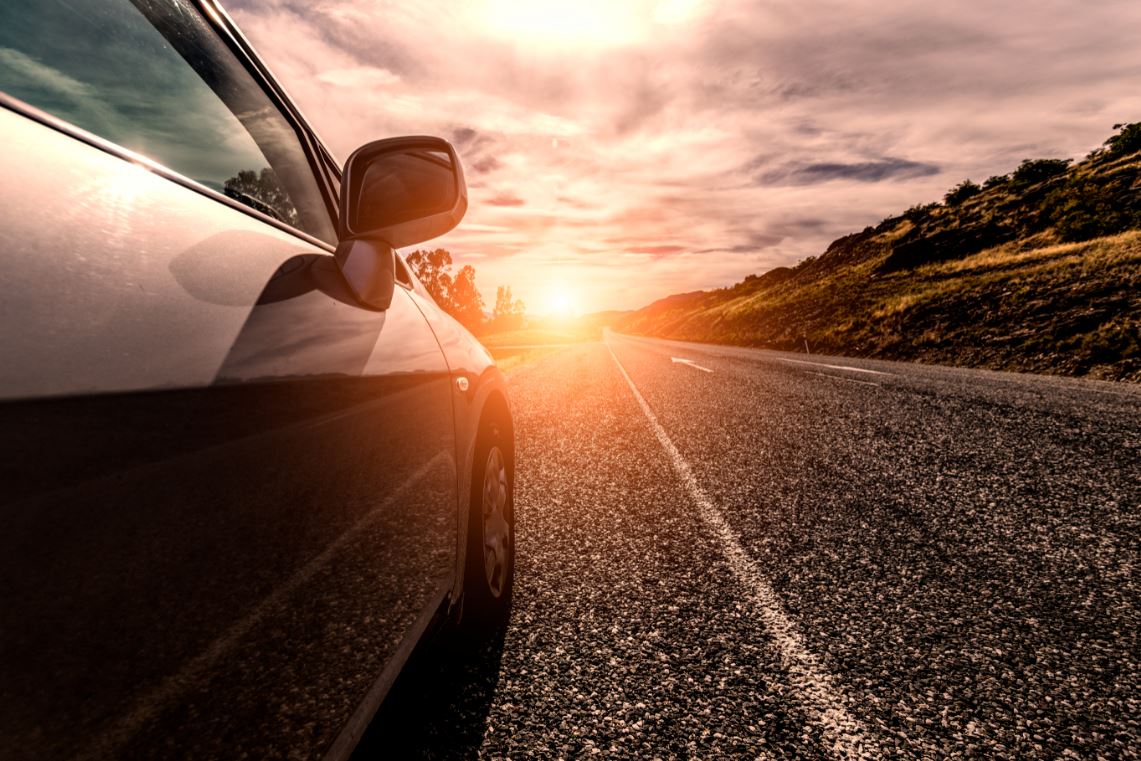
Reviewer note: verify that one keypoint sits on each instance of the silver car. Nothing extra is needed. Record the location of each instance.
(246, 462)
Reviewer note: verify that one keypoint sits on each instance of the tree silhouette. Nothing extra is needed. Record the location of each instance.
(262, 192)
(508, 312)
(431, 268)
(466, 303)
(458, 295)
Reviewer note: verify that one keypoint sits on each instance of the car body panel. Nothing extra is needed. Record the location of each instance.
(486, 398)
(229, 491)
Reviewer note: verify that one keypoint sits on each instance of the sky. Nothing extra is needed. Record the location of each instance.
(618, 151)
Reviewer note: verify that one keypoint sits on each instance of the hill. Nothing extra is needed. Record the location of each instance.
(1039, 270)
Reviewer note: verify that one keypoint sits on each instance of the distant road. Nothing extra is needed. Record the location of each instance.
(739, 553)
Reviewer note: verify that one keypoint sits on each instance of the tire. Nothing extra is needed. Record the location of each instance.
(489, 575)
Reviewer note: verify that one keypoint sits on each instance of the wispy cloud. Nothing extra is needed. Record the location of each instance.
(631, 149)
(859, 171)
(505, 199)
(655, 250)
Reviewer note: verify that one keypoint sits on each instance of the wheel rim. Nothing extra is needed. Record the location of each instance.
(496, 529)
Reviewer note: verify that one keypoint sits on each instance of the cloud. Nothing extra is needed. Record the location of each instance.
(485, 165)
(358, 77)
(862, 171)
(504, 199)
(654, 250)
(728, 136)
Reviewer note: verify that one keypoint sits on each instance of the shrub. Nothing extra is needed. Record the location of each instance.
(1126, 141)
(1084, 209)
(961, 192)
(1077, 221)
(995, 180)
(1031, 171)
(920, 211)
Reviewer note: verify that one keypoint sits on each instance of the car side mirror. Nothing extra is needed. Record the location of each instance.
(394, 193)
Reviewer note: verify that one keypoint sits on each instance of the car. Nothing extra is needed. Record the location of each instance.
(247, 462)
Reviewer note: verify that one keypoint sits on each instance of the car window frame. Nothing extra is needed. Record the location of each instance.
(403, 274)
(320, 162)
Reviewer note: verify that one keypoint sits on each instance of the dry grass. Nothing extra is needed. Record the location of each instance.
(897, 304)
(1111, 250)
(1033, 304)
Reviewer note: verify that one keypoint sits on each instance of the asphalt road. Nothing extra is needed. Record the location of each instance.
(739, 553)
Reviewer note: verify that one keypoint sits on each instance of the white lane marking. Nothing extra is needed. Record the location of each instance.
(849, 380)
(110, 742)
(833, 367)
(820, 698)
(690, 362)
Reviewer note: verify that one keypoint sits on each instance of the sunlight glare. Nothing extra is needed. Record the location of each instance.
(561, 303)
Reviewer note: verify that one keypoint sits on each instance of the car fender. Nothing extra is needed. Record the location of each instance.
(478, 387)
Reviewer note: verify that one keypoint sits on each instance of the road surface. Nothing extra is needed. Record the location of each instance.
(738, 553)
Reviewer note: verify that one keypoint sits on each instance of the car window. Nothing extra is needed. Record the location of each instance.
(153, 77)
(402, 275)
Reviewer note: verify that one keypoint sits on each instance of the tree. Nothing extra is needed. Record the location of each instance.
(502, 302)
(505, 306)
(431, 268)
(262, 192)
(466, 303)
(995, 180)
(961, 192)
(458, 295)
(508, 312)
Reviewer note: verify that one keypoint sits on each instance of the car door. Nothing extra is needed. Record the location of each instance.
(228, 490)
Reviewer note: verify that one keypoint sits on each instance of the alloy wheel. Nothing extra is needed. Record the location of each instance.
(496, 529)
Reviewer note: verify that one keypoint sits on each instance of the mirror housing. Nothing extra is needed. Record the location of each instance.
(394, 193)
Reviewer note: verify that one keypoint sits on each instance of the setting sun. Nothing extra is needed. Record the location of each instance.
(561, 303)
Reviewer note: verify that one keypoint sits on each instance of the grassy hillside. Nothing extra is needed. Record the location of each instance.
(1039, 270)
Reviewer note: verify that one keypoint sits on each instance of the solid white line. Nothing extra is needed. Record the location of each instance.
(833, 367)
(146, 706)
(690, 362)
(820, 698)
(849, 380)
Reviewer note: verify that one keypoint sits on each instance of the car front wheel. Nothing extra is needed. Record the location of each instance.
(490, 572)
